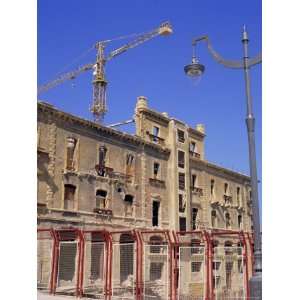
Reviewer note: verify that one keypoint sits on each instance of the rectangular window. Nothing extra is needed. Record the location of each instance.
(194, 218)
(196, 266)
(155, 134)
(155, 213)
(212, 187)
(129, 164)
(182, 224)
(181, 181)
(156, 269)
(156, 170)
(71, 146)
(181, 203)
(194, 178)
(69, 197)
(180, 136)
(101, 160)
(192, 147)
(228, 274)
(238, 192)
(101, 199)
(240, 222)
(180, 159)
(225, 188)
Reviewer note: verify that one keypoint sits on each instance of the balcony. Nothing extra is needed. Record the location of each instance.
(227, 200)
(197, 190)
(195, 154)
(102, 212)
(156, 139)
(157, 182)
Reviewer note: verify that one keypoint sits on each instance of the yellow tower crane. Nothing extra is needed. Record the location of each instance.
(99, 106)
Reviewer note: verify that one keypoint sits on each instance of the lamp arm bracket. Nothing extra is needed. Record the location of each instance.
(234, 64)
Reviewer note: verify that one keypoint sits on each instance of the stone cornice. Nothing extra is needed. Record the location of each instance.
(154, 114)
(71, 119)
(221, 170)
(195, 132)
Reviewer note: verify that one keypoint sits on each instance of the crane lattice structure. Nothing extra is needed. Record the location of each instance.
(99, 103)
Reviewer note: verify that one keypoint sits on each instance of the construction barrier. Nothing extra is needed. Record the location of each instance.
(192, 268)
(45, 255)
(145, 264)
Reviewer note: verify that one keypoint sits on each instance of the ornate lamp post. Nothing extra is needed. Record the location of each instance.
(196, 69)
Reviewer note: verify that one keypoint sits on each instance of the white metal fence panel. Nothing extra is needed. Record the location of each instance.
(156, 272)
(45, 245)
(124, 271)
(94, 273)
(67, 267)
(229, 273)
(191, 280)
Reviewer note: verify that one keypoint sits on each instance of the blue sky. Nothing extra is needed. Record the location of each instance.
(66, 29)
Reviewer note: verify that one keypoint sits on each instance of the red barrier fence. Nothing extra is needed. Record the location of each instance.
(145, 264)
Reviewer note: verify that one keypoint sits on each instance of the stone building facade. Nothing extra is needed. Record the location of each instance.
(91, 175)
(94, 177)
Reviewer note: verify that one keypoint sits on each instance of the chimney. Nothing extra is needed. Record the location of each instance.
(200, 128)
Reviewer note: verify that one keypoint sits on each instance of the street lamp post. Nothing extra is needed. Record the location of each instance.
(196, 69)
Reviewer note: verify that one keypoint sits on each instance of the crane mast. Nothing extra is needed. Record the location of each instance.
(99, 102)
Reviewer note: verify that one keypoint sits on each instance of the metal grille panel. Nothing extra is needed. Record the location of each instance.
(156, 272)
(45, 245)
(229, 273)
(123, 271)
(191, 281)
(94, 273)
(67, 267)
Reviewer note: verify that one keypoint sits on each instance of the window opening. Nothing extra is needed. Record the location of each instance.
(102, 156)
(156, 170)
(192, 147)
(214, 221)
(212, 187)
(240, 221)
(180, 135)
(69, 196)
(155, 213)
(101, 198)
(181, 203)
(182, 224)
(181, 181)
(194, 218)
(194, 178)
(155, 133)
(196, 266)
(180, 159)
(71, 145)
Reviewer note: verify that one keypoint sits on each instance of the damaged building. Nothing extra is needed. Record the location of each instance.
(93, 177)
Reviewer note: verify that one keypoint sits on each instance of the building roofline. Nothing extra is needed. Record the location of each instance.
(48, 108)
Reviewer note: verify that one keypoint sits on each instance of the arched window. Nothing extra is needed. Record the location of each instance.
(156, 243)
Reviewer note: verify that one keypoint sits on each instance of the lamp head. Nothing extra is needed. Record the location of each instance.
(194, 69)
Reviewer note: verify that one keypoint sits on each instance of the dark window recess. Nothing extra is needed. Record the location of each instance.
(102, 156)
(181, 203)
(227, 220)
(156, 270)
(180, 135)
(182, 224)
(214, 218)
(155, 133)
(71, 145)
(194, 177)
(155, 170)
(155, 213)
(194, 218)
(196, 266)
(181, 181)
(212, 187)
(101, 199)
(180, 159)
(228, 274)
(128, 199)
(192, 146)
(129, 164)
(240, 221)
(156, 243)
(69, 196)
(225, 188)
(238, 194)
